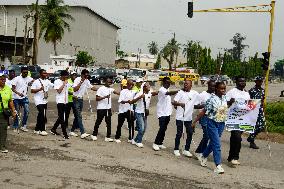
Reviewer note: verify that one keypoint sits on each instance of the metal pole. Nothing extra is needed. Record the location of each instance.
(15, 48)
(269, 50)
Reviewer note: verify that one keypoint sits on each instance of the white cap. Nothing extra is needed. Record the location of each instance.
(73, 73)
(139, 80)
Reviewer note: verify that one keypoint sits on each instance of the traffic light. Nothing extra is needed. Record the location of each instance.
(265, 60)
(190, 10)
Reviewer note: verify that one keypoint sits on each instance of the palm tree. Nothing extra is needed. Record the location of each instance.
(53, 21)
(153, 48)
(170, 51)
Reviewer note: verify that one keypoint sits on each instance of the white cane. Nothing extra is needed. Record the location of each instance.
(90, 106)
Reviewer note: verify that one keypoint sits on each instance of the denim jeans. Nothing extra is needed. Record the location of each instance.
(204, 141)
(141, 124)
(78, 104)
(163, 123)
(25, 104)
(215, 130)
(189, 131)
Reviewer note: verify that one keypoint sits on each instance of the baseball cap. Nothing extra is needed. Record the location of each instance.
(73, 73)
(139, 80)
(124, 82)
(258, 78)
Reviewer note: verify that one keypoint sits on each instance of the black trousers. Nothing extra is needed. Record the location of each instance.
(61, 110)
(41, 117)
(68, 108)
(235, 145)
(163, 123)
(129, 116)
(101, 114)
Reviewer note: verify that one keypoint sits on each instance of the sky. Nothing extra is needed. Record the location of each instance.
(143, 21)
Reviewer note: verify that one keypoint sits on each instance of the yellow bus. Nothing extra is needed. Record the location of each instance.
(189, 76)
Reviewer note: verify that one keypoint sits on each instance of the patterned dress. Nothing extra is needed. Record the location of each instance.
(258, 93)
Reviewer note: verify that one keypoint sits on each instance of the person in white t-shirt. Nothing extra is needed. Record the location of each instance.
(185, 101)
(80, 86)
(164, 111)
(125, 112)
(40, 89)
(103, 98)
(236, 136)
(61, 86)
(20, 86)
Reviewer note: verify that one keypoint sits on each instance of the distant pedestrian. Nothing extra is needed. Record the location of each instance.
(61, 86)
(103, 98)
(80, 86)
(257, 92)
(4, 71)
(164, 111)
(40, 90)
(9, 79)
(20, 86)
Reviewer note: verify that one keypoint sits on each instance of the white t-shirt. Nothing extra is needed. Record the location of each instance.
(125, 95)
(21, 86)
(140, 107)
(61, 98)
(203, 97)
(105, 103)
(190, 99)
(164, 105)
(237, 94)
(39, 96)
(9, 82)
(84, 87)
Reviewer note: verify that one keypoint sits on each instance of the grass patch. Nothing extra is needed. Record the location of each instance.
(275, 117)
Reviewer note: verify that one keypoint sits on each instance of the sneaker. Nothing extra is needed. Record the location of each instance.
(73, 134)
(139, 145)
(84, 135)
(219, 169)
(15, 130)
(66, 137)
(235, 162)
(108, 139)
(203, 161)
(94, 138)
(253, 146)
(117, 140)
(133, 142)
(187, 153)
(24, 129)
(37, 132)
(8, 127)
(4, 151)
(162, 147)
(54, 132)
(43, 133)
(197, 155)
(129, 141)
(156, 147)
(176, 152)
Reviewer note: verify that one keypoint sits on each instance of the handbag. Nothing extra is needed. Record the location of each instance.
(6, 111)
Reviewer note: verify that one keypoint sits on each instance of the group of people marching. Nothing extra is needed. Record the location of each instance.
(134, 102)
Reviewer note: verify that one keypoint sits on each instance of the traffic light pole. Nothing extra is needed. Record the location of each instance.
(255, 9)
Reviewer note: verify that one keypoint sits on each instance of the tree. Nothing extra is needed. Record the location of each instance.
(238, 48)
(53, 21)
(83, 59)
(153, 48)
(169, 52)
(279, 67)
(158, 62)
(121, 54)
(36, 32)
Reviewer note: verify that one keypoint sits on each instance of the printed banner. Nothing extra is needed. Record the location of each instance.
(242, 115)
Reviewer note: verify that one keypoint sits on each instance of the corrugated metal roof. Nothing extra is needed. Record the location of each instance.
(71, 3)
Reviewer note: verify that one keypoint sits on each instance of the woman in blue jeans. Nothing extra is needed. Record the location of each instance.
(216, 111)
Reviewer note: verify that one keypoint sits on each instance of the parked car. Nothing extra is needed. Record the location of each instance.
(98, 76)
(33, 70)
(54, 76)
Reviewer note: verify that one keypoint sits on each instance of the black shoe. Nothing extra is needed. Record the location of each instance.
(253, 146)
(54, 132)
(66, 137)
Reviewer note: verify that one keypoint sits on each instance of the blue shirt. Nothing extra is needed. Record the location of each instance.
(5, 72)
(216, 108)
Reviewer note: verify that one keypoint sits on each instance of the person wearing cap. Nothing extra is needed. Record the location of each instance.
(124, 83)
(6, 102)
(40, 89)
(136, 89)
(3, 70)
(20, 86)
(61, 86)
(257, 92)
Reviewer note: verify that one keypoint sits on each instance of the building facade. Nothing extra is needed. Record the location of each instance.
(145, 61)
(89, 32)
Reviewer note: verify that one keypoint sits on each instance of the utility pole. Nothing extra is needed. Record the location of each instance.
(139, 58)
(16, 28)
(36, 34)
(25, 37)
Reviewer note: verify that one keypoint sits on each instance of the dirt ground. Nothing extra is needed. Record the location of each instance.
(50, 162)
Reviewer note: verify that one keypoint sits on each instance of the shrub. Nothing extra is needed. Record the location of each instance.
(275, 117)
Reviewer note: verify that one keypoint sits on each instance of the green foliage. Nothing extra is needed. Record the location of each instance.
(53, 21)
(83, 59)
(153, 48)
(170, 52)
(121, 54)
(238, 47)
(275, 117)
(158, 62)
(279, 67)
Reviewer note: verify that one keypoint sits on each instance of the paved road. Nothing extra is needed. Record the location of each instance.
(49, 162)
